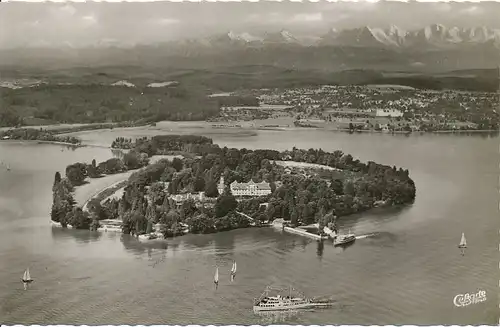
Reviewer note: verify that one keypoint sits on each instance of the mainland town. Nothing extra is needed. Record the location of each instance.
(377, 108)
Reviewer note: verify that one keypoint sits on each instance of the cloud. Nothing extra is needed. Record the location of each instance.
(89, 20)
(307, 17)
(281, 18)
(444, 7)
(166, 21)
(68, 10)
(473, 10)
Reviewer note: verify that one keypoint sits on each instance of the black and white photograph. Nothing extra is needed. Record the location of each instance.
(249, 163)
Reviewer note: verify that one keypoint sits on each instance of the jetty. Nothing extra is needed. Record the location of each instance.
(279, 224)
(302, 232)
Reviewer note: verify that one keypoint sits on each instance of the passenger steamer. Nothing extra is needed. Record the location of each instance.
(289, 302)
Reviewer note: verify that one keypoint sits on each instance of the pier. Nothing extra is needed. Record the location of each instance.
(302, 232)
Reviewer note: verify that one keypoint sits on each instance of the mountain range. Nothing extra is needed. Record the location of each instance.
(430, 37)
(432, 48)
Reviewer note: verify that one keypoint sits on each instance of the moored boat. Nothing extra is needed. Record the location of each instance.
(344, 239)
(111, 225)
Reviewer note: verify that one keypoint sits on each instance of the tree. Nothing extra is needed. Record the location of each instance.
(199, 184)
(151, 214)
(294, 217)
(149, 228)
(270, 212)
(131, 160)
(337, 186)
(96, 209)
(349, 188)
(201, 224)
(177, 164)
(157, 193)
(225, 204)
(170, 218)
(211, 189)
(79, 219)
(57, 178)
(76, 173)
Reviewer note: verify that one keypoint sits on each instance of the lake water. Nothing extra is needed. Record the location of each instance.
(407, 271)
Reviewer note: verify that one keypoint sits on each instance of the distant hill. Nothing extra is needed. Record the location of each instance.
(237, 77)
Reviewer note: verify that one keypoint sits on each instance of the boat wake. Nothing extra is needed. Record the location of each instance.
(359, 237)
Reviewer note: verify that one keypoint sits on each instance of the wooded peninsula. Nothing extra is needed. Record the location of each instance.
(183, 194)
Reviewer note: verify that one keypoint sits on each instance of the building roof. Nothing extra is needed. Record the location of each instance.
(243, 186)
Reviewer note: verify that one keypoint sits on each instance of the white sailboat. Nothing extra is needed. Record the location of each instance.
(216, 277)
(233, 271)
(26, 278)
(463, 244)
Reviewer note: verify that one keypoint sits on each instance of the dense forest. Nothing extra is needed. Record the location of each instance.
(96, 103)
(300, 196)
(38, 134)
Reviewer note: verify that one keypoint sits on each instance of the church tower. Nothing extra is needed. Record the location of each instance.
(221, 186)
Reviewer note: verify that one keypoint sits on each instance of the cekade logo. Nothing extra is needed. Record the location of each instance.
(463, 300)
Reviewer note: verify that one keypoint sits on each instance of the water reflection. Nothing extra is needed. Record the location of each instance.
(133, 245)
(320, 248)
(198, 240)
(69, 147)
(357, 222)
(224, 248)
(273, 317)
(344, 247)
(79, 235)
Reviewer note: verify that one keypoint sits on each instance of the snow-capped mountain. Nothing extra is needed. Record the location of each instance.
(281, 37)
(435, 35)
(429, 37)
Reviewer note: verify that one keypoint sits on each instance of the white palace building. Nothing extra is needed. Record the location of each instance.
(246, 189)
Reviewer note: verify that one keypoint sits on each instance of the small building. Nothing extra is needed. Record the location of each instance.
(245, 189)
(181, 198)
(388, 113)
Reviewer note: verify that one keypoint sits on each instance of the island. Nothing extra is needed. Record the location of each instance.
(207, 188)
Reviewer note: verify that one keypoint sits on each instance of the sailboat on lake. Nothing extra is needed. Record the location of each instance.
(216, 277)
(7, 166)
(233, 271)
(26, 278)
(463, 244)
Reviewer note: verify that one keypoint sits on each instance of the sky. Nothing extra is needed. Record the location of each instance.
(84, 23)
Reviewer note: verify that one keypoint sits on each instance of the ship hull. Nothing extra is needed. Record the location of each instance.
(291, 307)
(344, 242)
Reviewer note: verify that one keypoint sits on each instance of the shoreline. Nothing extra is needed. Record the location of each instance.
(78, 128)
(81, 145)
(346, 130)
(46, 142)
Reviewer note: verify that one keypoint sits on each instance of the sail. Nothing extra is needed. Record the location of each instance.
(216, 277)
(234, 267)
(463, 241)
(26, 275)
